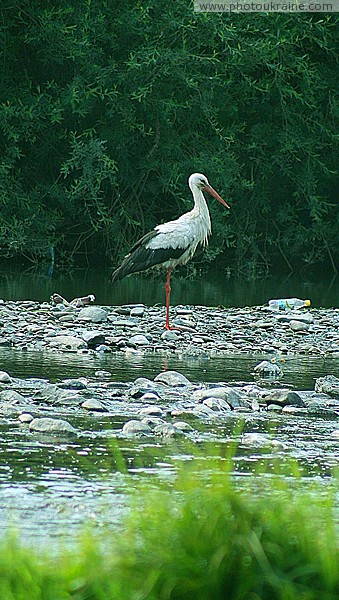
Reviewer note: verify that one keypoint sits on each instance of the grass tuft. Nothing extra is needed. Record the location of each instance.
(205, 537)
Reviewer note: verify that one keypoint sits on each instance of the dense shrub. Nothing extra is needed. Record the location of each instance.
(107, 107)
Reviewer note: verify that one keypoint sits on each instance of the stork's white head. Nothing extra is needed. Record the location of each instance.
(197, 180)
(200, 182)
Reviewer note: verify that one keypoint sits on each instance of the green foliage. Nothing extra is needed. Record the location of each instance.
(107, 107)
(204, 536)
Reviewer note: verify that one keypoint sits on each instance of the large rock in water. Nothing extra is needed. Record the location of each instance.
(134, 427)
(11, 397)
(328, 385)
(172, 378)
(12, 403)
(48, 425)
(284, 398)
(231, 396)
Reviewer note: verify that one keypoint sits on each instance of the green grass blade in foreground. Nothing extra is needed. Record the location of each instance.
(200, 537)
(204, 538)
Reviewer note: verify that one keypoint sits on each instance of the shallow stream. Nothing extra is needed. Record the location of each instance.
(51, 487)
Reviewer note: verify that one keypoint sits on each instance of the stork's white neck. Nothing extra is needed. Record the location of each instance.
(200, 204)
(201, 211)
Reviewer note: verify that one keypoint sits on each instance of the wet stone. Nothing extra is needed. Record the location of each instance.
(284, 397)
(8, 409)
(255, 404)
(172, 378)
(73, 384)
(52, 394)
(67, 342)
(185, 325)
(299, 325)
(302, 317)
(142, 386)
(167, 430)
(5, 377)
(294, 410)
(93, 404)
(49, 425)
(183, 412)
(25, 417)
(121, 322)
(216, 404)
(228, 394)
(103, 348)
(137, 311)
(321, 411)
(153, 421)
(68, 318)
(274, 408)
(198, 340)
(328, 385)
(201, 410)
(94, 314)
(121, 310)
(258, 440)
(93, 338)
(103, 374)
(268, 369)
(11, 397)
(139, 340)
(134, 427)
(154, 411)
(183, 426)
(169, 335)
(149, 397)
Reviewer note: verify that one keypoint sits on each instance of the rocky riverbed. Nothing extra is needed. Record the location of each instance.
(56, 433)
(29, 325)
(165, 406)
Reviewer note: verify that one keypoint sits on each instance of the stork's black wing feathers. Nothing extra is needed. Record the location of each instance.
(141, 258)
(143, 241)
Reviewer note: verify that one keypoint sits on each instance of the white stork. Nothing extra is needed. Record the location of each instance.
(175, 242)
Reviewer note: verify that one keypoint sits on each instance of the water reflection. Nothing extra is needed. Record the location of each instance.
(49, 488)
(211, 289)
(299, 371)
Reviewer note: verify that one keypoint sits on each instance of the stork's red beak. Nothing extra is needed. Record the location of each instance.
(215, 194)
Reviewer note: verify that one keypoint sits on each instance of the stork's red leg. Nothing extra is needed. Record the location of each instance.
(168, 295)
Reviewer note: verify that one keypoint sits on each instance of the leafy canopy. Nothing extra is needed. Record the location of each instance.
(107, 107)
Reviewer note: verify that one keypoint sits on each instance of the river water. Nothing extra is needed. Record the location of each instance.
(212, 289)
(50, 488)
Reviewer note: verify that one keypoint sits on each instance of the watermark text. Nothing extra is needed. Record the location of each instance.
(271, 6)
